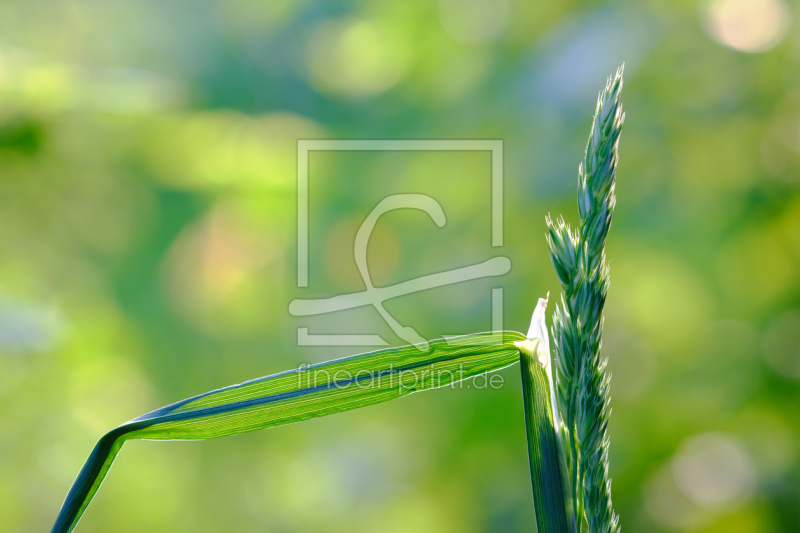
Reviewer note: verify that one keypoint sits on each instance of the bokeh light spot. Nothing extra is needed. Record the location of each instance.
(713, 469)
(217, 272)
(223, 148)
(356, 57)
(748, 25)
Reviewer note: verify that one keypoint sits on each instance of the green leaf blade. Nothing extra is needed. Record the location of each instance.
(294, 396)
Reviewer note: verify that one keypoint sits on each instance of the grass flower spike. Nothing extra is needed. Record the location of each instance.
(582, 383)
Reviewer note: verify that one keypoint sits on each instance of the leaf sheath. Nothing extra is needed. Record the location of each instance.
(547, 476)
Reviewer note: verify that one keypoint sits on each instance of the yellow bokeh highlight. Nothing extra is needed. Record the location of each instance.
(748, 25)
(357, 57)
(221, 149)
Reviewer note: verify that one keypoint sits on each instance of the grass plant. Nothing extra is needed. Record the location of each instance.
(566, 403)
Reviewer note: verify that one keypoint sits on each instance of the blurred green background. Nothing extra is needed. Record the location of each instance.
(148, 251)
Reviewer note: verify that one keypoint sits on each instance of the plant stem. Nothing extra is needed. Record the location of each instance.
(549, 478)
(548, 488)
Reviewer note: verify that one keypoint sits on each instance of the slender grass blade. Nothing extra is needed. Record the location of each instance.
(296, 395)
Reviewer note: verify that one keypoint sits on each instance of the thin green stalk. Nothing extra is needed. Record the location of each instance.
(579, 260)
(549, 480)
(546, 481)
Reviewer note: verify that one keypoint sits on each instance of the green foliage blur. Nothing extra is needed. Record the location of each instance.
(148, 241)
